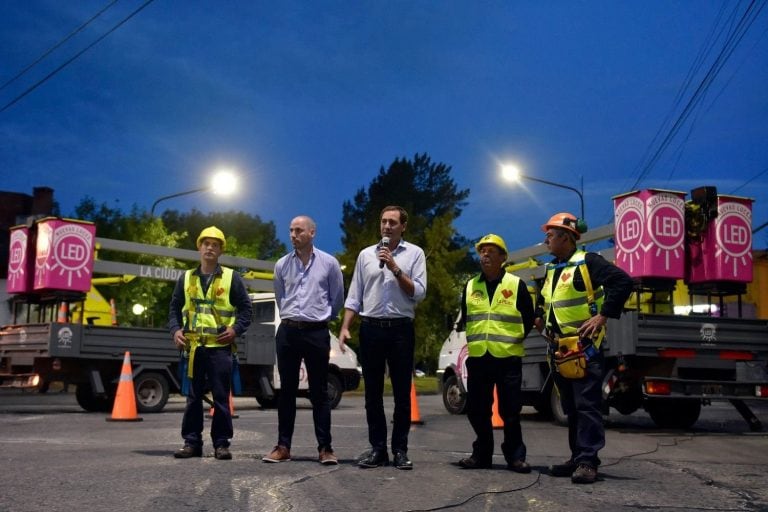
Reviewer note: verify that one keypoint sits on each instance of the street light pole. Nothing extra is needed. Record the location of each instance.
(581, 196)
(512, 173)
(223, 182)
(152, 210)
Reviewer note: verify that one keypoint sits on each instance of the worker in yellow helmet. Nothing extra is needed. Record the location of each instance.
(209, 309)
(581, 291)
(497, 313)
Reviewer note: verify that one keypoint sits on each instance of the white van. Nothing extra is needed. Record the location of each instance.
(344, 372)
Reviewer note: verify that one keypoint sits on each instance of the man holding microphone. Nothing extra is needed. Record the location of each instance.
(389, 279)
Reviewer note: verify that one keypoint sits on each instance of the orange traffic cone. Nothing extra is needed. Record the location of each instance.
(415, 415)
(231, 408)
(113, 311)
(125, 399)
(496, 420)
(63, 311)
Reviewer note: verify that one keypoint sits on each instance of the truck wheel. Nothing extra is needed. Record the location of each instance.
(556, 407)
(152, 392)
(454, 400)
(334, 390)
(90, 402)
(673, 413)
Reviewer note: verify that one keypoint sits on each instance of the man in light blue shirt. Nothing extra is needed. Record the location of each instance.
(309, 290)
(389, 279)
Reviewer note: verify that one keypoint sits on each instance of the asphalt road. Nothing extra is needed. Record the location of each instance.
(55, 457)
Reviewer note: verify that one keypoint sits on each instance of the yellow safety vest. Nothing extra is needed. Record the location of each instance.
(494, 326)
(570, 306)
(206, 313)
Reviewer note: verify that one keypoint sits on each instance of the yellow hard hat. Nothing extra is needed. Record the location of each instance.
(212, 232)
(566, 221)
(492, 240)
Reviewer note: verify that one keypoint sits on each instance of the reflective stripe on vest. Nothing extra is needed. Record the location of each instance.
(495, 327)
(570, 306)
(205, 314)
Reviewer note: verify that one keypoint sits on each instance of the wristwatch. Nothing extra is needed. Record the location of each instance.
(397, 273)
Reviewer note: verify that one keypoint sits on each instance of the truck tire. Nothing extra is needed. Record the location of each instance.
(335, 390)
(90, 402)
(152, 392)
(673, 413)
(547, 403)
(556, 407)
(454, 400)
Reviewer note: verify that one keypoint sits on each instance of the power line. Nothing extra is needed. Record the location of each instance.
(54, 47)
(698, 62)
(732, 41)
(71, 59)
(750, 180)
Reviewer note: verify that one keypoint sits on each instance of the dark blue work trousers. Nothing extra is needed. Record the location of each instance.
(505, 373)
(393, 347)
(582, 401)
(314, 346)
(213, 368)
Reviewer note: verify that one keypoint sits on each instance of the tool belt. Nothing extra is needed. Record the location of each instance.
(196, 340)
(570, 359)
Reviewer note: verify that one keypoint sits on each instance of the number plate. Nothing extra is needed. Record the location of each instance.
(711, 389)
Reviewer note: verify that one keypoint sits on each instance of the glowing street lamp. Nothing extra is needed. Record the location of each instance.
(222, 183)
(511, 173)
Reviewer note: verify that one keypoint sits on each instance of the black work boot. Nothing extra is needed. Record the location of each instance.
(187, 452)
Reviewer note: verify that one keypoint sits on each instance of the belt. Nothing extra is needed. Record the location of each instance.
(386, 322)
(302, 324)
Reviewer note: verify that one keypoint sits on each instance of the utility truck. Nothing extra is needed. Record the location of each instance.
(69, 337)
(666, 363)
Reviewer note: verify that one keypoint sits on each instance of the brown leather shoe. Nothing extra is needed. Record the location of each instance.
(327, 458)
(279, 453)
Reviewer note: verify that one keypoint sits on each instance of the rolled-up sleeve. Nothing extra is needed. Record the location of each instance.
(354, 300)
(418, 275)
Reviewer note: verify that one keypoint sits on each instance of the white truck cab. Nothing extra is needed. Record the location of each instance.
(344, 372)
(452, 371)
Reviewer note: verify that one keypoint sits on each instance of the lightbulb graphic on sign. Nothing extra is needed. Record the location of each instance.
(666, 223)
(734, 236)
(17, 261)
(72, 246)
(629, 232)
(64, 256)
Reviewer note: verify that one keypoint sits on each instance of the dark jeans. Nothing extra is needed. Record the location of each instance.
(314, 346)
(213, 367)
(392, 346)
(582, 401)
(483, 373)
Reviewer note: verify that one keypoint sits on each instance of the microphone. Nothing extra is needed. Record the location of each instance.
(384, 242)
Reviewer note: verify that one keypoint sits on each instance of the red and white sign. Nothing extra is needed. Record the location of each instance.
(650, 231)
(726, 244)
(64, 255)
(19, 267)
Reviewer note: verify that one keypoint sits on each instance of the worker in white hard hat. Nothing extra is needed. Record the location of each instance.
(209, 309)
(497, 314)
(581, 291)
